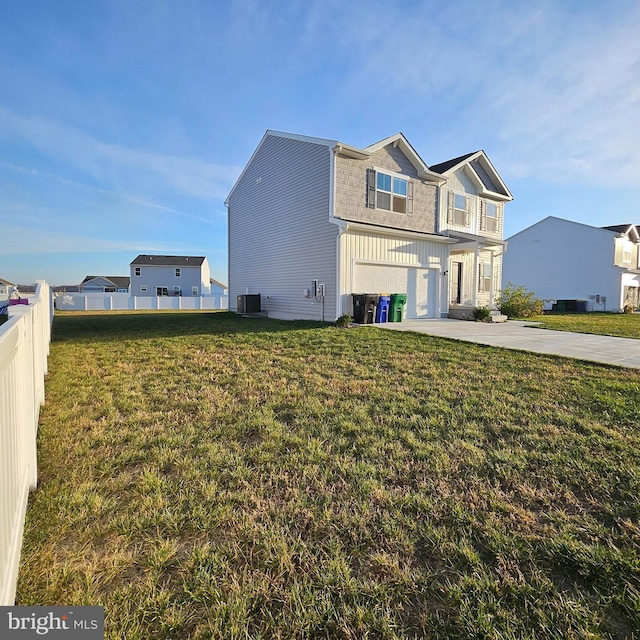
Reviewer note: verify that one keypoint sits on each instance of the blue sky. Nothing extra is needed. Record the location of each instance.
(124, 124)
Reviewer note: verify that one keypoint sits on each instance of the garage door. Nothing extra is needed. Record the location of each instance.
(418, 284)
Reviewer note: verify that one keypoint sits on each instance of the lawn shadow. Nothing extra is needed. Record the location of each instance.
(107, 326)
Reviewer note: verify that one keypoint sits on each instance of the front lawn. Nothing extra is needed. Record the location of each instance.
(623, 325)
(207, 476)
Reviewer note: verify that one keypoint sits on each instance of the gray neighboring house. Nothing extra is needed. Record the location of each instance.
(187, 276)
(104, 284)
(313, 221)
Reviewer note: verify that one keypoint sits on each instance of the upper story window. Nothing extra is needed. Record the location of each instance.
(178, 273)
(136, 271)
(389, 192)
(490, 222)
(458, 209)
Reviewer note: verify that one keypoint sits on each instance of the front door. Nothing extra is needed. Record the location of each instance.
(455, 283)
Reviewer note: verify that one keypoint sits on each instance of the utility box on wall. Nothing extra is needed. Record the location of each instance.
(249, 303)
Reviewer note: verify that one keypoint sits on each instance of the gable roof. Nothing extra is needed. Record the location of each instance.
(448, 164)
(219, 284)
(632, 231)
(480, 170)
(6, 282)
(350, 151)
(554, 220)
(169, 261)
(398, 140)
(477, 164)
(120, 282)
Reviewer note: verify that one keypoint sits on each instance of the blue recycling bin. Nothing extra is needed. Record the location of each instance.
(382, 311)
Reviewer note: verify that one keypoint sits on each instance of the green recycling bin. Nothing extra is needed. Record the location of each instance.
(398, 301)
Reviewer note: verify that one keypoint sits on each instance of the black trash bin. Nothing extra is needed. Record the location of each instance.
(364, 307)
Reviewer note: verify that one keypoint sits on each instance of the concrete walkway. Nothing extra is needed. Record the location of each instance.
(515, 334)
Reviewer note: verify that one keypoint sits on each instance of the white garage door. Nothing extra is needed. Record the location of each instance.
(418, 284)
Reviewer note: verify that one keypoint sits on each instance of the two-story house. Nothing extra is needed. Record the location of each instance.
(313, 221)
(560, 259)
(153, 275)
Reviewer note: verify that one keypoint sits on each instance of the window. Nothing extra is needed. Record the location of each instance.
(389, 192)
(136, 271)
(490, 216)
(484, 282)
(177, 273)
(458, 210)
(143, 287)
(194, 291)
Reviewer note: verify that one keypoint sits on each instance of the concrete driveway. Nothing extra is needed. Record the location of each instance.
(514, 334)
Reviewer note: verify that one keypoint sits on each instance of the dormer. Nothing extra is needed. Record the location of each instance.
(473, 198)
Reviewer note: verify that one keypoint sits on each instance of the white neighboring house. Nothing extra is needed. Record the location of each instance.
(104, 284)
(154, 275)
(5, 286)
(313, 221)
(217, 288)
(560, 259)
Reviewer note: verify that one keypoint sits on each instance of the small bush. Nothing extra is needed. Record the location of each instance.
(481, 314)
(344, 320)
(518, 302)
(628, 308)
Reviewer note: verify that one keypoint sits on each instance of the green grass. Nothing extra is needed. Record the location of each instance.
(207, 476)
(623, 325)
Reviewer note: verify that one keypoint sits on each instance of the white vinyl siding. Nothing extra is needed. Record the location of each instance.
(420, 258)
(280, 236)
(564, 260)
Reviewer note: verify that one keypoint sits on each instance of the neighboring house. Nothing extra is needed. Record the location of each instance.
(313, 221)
(170, 276)
(104, 284)
(559, 259)
(217, 288)
(5, 285)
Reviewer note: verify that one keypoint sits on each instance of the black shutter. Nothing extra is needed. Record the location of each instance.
(371, 188)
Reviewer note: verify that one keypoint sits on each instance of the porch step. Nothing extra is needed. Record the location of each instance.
(466, 313)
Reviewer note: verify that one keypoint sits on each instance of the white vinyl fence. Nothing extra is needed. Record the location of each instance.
(123, 301)
(24, 347)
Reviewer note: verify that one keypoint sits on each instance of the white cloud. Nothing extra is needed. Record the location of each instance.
(574, 114)
(116, 164)
(25, 240)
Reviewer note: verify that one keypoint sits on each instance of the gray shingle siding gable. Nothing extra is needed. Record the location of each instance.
(351, 192)
(280, 236)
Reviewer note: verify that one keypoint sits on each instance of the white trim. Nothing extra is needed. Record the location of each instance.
(391, 231)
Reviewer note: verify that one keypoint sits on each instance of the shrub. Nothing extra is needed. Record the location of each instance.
(344, 320)
(628, 308)
(518, 302)
(481, 314)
